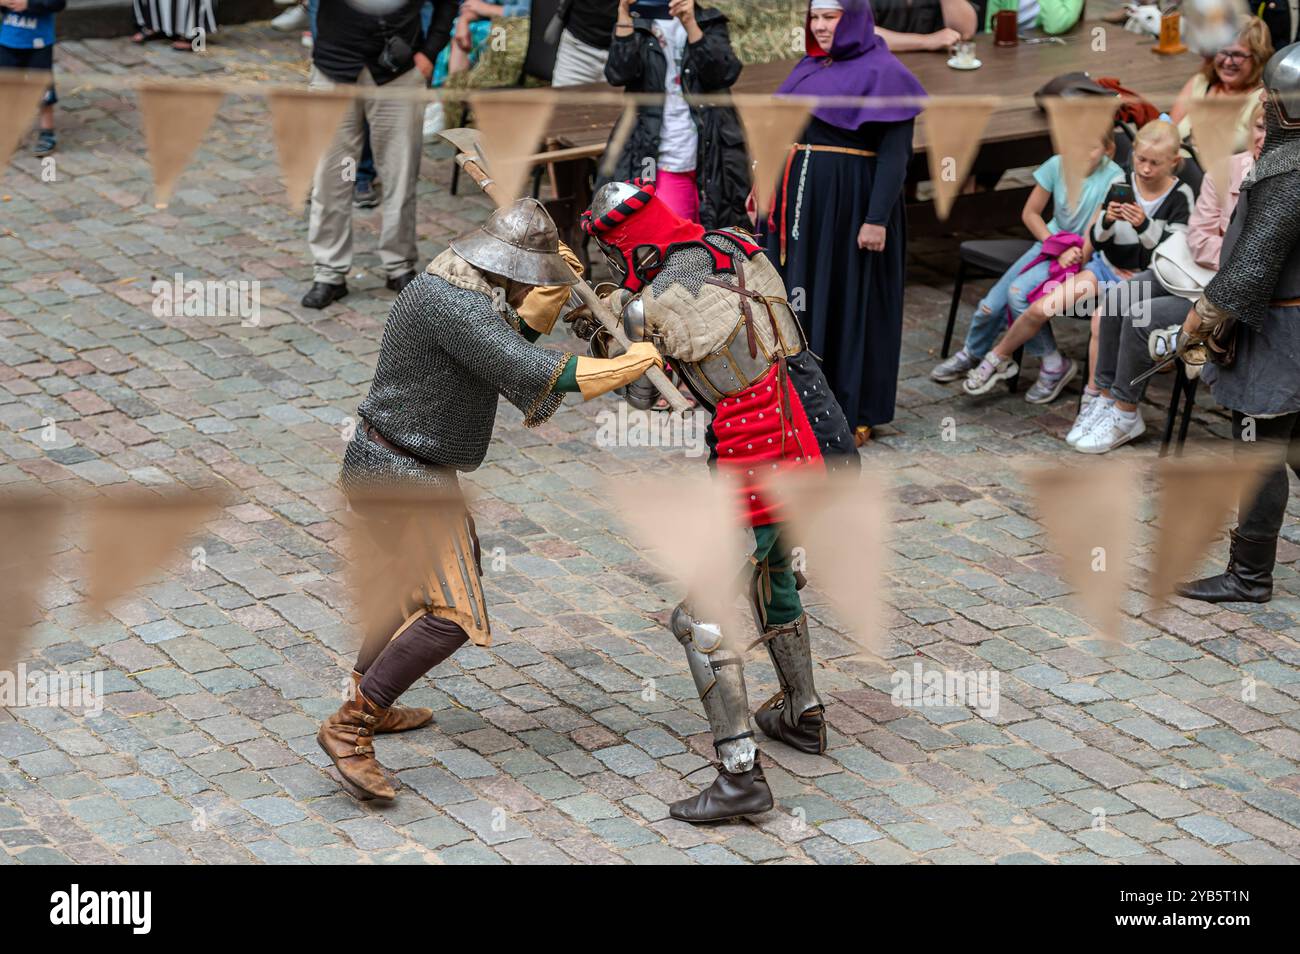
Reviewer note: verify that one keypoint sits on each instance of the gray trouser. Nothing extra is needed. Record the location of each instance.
(577, 63)
(1122, 351)
(395, 141)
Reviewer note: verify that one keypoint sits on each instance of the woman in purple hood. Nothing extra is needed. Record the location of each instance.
(837, 230)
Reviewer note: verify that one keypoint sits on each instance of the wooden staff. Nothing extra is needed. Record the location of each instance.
(465, 142)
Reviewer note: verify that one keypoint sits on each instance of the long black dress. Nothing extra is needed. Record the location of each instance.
(850, 301)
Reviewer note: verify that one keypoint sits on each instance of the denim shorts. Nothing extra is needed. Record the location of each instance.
(1099, 267)
(13, 58)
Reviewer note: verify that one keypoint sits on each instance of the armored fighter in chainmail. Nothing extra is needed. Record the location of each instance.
(713, 304)
(1248, 326)
(459, 336)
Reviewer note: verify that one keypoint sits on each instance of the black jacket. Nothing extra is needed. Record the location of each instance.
(349, 40)
(637, 63)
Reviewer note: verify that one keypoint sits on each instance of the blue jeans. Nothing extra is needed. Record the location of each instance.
(1011, 291)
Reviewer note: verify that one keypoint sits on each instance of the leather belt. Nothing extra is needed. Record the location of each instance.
(785, 179)
(383, 441)
(845, 150)
(1285, 303)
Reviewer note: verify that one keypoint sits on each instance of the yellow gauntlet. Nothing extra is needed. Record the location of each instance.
(597, 376)
(543, 305)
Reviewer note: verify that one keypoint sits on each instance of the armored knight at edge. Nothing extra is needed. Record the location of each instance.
(459, 336)
(1248, 325)
(714, 304)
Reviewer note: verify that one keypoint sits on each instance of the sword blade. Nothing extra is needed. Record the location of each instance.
(1155, 370)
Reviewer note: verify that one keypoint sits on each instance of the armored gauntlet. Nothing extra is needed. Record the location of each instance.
(1211, 340)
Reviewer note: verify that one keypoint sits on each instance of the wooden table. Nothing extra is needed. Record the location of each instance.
(1016, 136)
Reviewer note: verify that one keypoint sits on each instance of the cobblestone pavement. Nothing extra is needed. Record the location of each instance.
(548, 747)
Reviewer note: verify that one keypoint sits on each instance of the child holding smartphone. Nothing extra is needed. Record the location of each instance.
(1151, 203)
(1010, 295)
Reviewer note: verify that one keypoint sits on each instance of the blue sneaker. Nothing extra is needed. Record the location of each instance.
(45, 142)
(366, 195)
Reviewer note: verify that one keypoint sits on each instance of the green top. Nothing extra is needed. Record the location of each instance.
(1054, 16)
(567, 382)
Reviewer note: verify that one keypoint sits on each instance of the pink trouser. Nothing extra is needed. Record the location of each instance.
(678, 189)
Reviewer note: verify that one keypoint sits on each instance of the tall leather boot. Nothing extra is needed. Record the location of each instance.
(348, 738)
(795, 715)
(740, 788)
(1248, 578)
(398, 718)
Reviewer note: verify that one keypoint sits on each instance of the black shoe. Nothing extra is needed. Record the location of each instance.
(809, 735)
(1248, 578)
(366, 195)
(398, 282)
(323, 294)
(732, 795)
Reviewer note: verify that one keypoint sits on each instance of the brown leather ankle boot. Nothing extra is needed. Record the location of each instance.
(399, 718)
(348, 737)
(808, 734)
(732, 795)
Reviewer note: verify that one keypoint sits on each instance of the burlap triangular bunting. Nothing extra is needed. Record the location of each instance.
(175, 119)
(1196, 497)
(618, 139)
(510, 129)
(1090, 514)
(1077, 124)
(1214, 133)
(19, 95)
(953, 126)
(303, 123)
(697, 542)
(27, 528)
(838, 527)
(411, 552)
(771, 126)
(133, 535)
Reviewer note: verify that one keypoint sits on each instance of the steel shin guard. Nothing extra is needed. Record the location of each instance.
(790, 647)
(719, 675)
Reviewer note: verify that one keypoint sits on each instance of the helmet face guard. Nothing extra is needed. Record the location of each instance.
(634, 274)
(1286, 107)
(1282, 80)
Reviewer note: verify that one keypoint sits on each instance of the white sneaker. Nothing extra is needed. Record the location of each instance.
(1092, 404)
(1109, 432)
(435, 121)
(295, 18)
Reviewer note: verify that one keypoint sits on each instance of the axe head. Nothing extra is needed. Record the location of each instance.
(466, 141)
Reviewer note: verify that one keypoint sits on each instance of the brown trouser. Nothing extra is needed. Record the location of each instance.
(390, 666)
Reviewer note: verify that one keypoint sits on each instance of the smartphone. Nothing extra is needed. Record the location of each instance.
(1121, 192)
(652, 9)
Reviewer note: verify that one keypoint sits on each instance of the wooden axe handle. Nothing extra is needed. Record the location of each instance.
(589, 298)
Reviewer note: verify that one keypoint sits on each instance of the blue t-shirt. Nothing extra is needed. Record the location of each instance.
(27, 31)
(1093, 193)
